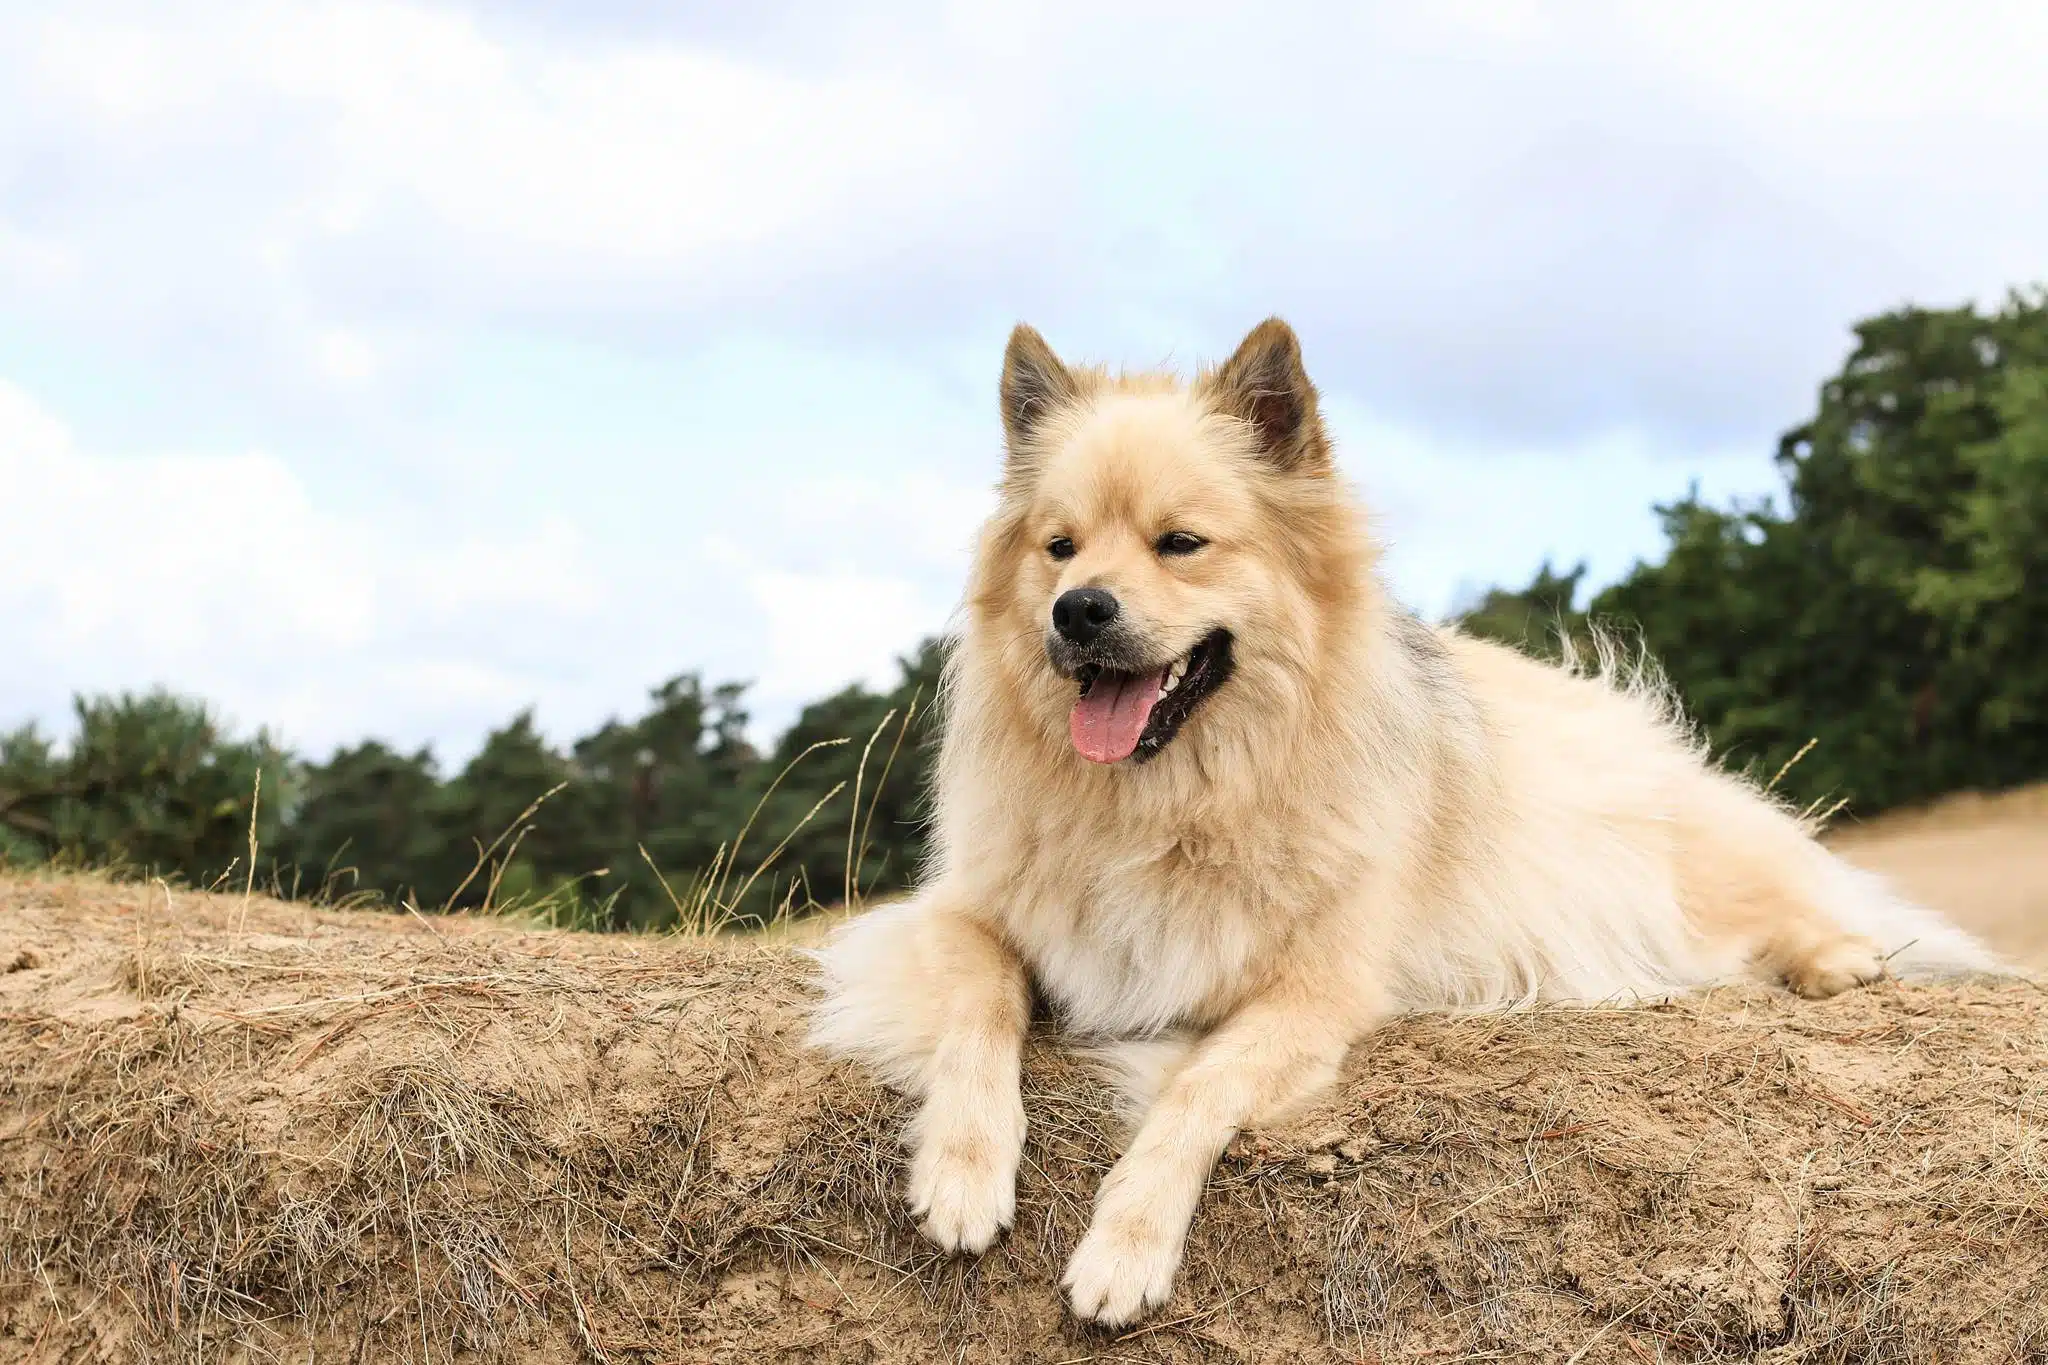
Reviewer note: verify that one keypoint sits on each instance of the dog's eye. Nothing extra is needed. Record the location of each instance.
(1061, 548)
(1179, 543)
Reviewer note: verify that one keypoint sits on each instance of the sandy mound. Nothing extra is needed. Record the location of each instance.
(317, 1136)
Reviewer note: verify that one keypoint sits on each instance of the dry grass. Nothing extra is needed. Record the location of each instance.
(349, 1137)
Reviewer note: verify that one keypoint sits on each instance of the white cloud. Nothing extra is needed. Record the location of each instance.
(169, 551)
(225, 576)
(843, 624)
(849, 574)
(222, 575)
(469, 158)
(1456, 520)
(505, 296)
(31, 260)
(346, 357)
(1529, 219)
(1890, 62)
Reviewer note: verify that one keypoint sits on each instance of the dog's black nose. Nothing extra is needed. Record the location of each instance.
(1080, 614)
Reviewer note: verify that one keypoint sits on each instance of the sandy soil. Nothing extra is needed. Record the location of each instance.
(243, 1133)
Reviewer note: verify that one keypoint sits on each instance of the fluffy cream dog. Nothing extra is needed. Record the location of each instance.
(1209, 790)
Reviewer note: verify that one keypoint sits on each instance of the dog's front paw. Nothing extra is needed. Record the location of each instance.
(963, 1199)
(1123, 1268)
(963, 1181)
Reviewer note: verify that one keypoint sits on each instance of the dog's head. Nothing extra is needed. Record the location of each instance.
(1159, 542)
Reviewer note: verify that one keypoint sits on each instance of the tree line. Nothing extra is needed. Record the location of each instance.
(1891, 609)
(670, 817)
(1884, 621)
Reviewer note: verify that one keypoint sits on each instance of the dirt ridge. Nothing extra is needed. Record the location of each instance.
(252, 1132)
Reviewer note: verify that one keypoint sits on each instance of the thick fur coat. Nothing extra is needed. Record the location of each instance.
(1226, 806)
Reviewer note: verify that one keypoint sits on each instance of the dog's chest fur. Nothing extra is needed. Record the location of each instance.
(1138, 935)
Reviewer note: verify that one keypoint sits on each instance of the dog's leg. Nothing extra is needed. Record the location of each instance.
(934, 1002)
(1817, 960)
(1273, 1054)
(1750, 879)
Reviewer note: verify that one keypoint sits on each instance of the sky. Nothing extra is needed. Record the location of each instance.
(382, 368)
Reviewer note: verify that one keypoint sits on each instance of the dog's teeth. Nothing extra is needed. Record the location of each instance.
(1173, 675)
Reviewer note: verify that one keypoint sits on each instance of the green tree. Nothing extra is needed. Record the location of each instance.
(1535, 619)
(365, 821)
(491, 843)
(28, 785)
(1895, 610)
(668, 783)
(150, 782)
(885, 759)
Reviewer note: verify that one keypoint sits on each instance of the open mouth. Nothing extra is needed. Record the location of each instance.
(1121, 715)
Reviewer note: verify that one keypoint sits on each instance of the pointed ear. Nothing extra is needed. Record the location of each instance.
(1034, 383)
(1265, 386)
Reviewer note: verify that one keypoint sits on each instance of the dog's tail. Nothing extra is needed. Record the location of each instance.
(869, 1007)
(1916, 941)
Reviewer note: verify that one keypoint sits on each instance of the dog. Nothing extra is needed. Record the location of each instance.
(1211, 793)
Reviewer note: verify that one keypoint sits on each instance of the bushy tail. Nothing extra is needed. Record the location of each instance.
(1916, 941)
(869, 1007)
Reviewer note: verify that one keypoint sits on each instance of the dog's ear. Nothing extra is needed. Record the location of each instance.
(1265, 386)
(1034, 383)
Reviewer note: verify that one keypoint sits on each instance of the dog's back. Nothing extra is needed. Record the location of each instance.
(1609, 858)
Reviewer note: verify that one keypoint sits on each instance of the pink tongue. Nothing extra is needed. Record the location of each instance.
(1107, 722)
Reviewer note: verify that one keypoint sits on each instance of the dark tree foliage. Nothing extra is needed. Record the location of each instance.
(642, 823)
(148, 783)
(1892, 608)
(887, 758)
(1532, 619)
(666, 783)
(368, 810)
